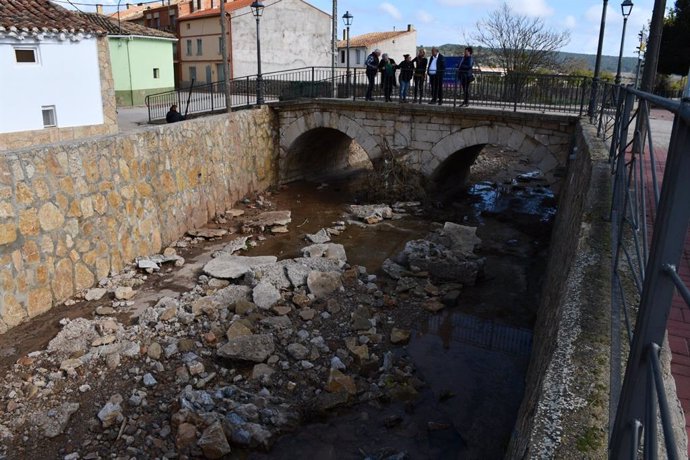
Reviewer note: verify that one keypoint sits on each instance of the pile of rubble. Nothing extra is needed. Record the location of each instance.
(255, 348)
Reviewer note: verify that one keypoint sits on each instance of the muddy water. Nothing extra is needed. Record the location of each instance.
(473, 358)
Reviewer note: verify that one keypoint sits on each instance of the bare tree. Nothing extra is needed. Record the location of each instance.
(519, 43)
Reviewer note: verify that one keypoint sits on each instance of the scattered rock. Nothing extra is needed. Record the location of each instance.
(269, 219)
(95, 294)
(254, 348)
(319, 237)
(111, 413)
(338, 382)
(262, 371)
(237, 329)
(53, 422)
(213, 442)
(124, 293)
(298, 351)
(207, 233)
(265, 295)
(327, 250)
(154, 351)
(400, 336)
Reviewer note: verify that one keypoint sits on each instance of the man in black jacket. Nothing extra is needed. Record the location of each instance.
(173, 115)
(436, 71)
(372, 64)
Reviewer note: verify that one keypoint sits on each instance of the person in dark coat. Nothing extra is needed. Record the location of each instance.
(173, 115)
(420, 62)
(436, 71)
(406, 72)
(465, 75)
(387, 67)
(372, 64)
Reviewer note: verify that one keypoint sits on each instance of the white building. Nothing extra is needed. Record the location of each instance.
(395, 44)
(55, 81)
(293, 34)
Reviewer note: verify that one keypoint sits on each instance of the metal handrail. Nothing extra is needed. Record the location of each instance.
(644, 260)
(512, 91)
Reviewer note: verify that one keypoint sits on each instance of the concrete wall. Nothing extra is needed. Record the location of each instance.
(66, 76)
(133, 61)
(106, 100)
(294, 34)
(72, 212)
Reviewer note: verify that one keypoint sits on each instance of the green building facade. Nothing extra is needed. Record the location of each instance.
(141, 66)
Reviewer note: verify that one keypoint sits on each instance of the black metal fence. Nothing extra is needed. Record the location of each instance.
(537, 92)
(649, 218)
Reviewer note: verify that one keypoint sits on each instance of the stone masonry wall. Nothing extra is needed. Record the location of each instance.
(72, 212)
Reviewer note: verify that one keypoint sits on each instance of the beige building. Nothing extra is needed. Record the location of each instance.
(395, 44)
(294, 34)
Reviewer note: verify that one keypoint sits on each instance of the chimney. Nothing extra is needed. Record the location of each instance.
(99, 9)
(410, 27)
(127, 5)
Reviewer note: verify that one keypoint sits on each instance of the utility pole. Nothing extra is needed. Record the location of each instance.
(224, 55)
(651, 57)
(334, 44)
(597, 64)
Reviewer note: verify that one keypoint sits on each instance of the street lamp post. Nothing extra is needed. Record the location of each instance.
(347, 19)
(626, 8)
(257, 10)
(597, 64)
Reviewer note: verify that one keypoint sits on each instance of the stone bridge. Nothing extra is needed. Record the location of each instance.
(321, 137)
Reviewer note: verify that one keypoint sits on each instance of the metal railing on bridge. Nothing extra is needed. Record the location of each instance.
(649, 218)
(514, 91)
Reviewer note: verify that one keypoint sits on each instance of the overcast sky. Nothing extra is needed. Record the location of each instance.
(452, 21)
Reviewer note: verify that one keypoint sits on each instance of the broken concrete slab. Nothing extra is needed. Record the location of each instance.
(233, 267)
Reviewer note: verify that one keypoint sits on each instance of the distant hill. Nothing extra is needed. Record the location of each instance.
(571, 60)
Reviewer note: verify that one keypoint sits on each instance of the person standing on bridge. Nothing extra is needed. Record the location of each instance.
(436, 71)
(387, 67)
(406, 71)
(372, 64)
(465, 75)
(420, 63)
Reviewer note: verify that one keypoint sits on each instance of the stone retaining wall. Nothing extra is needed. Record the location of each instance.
(564, 413)
(72, 212)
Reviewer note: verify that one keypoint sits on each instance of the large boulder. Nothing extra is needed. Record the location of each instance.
(233, 267)
(322, 284)
(255, 348)
(265, 295)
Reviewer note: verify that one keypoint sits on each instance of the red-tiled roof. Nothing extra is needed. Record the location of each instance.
(42, 15)
(229, 8)
(372, 38)
(112, 27)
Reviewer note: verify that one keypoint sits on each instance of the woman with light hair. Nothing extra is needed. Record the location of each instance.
(420, 63)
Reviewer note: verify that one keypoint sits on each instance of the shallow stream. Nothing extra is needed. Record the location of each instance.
(473, 357)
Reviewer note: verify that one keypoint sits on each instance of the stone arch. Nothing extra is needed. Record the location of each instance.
(310, 123)
(538, 150)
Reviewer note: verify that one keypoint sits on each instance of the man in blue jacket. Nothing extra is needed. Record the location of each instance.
(436, 71)
(372, 64)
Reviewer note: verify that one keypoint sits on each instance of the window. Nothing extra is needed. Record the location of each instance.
(342, 57)
(188, 26)
(358, 56)
(220, 44)
(156, 72)
(199, 47)
(49, 118)
(26, 55)
(189, 47)
(192, 73)
(174, 50)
